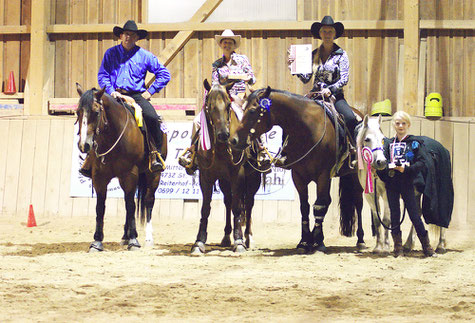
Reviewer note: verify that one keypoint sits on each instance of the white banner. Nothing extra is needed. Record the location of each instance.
(174, 182)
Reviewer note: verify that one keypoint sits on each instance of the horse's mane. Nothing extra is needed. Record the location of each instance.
(254, 94)
(87, 99)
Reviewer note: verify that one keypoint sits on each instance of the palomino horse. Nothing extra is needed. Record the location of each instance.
(369, 139)
(237, 180)
(106, 126)
(311, 151)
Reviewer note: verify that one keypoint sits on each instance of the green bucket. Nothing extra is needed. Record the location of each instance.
(433, 106)
(382, 108)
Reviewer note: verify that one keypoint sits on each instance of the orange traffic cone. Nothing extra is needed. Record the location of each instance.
(31, 218)
(11, 88)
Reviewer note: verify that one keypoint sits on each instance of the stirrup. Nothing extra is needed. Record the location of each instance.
(156, 162)
(280, 162)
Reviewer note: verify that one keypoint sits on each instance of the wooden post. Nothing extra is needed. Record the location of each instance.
(411, 55)
(38, 81)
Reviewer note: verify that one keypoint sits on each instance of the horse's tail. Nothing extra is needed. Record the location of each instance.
(141, 190)
(350, 200)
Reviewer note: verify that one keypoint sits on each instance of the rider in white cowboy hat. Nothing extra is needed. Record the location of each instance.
(231, 66)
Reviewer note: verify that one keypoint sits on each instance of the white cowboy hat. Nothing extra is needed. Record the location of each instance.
(228, 34)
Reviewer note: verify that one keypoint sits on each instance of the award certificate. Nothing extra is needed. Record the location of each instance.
(303, 59)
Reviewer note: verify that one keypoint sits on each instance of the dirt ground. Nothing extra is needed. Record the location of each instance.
(46, 275)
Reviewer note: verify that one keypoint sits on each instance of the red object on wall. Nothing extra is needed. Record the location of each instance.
(11, 88)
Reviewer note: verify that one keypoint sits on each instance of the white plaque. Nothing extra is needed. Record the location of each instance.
(303, 59)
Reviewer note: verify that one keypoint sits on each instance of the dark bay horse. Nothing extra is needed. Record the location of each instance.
(107, 127)
(311, 157)
(238, 181)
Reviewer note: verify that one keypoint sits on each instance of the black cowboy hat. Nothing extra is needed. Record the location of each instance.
(327, 21)
(130, 25)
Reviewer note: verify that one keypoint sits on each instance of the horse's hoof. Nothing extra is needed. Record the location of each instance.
(440, 250)
(133, 245)
(360, 246)
(198, 249)
(149, 243)
(226, 242)
(239, 248)
(124, 242)
(96, 246)
(319, 247)
(249, 242)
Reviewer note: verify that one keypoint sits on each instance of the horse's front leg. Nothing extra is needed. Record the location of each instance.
(129, 185)
(360, 244)
(253, 183)
(306, 240)
(238, 213)
(320, 209)
(228, 200)
(153, 180)
(382, 235)
(441, 247)
(130, 227)
(100, 210)
(206, 185)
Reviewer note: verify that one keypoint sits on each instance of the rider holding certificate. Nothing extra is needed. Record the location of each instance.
(330, 66)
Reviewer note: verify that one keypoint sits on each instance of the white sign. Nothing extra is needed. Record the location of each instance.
(174, 182)
(302, 63)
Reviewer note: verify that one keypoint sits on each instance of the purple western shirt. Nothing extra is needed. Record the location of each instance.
(121, 69)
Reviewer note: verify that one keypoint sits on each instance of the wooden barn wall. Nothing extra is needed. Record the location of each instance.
(374, 54)
(14, 48)
(35, 168)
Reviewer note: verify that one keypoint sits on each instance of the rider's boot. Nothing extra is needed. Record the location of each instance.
(426, 247)
(156, 162)
(187, 160)
(263, 158)
(86, 168)
(280, 161)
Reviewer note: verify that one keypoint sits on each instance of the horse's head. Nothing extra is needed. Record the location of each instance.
(88, 116)
(217, 109)
(371, 136)
(256, 119)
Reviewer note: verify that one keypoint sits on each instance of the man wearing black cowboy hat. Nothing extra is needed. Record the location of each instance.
(123, 71)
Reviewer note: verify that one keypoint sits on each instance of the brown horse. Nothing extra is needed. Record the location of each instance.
(107, 127)
(311, 151)
(237, 179)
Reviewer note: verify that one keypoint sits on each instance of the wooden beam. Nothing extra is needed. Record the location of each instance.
(422, 78)
(14, 29)
(447, 24)
(214, 26)
(400, 79)
(36, 99)
(411, 55)
(182, 37)
(300, 10)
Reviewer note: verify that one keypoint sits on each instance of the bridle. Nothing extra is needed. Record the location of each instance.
(264, 107)
(102, 124)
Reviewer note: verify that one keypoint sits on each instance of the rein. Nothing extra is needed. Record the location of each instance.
(266, 108)
(101, 155)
